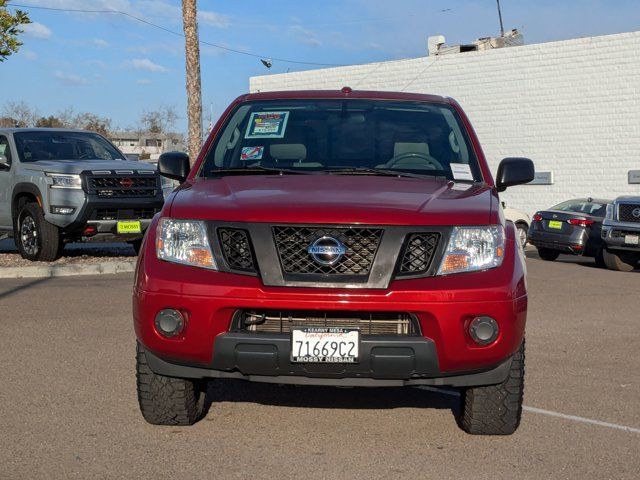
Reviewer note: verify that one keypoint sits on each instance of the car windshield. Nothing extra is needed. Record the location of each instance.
(60, 145)
(597, 209)
(350, 136)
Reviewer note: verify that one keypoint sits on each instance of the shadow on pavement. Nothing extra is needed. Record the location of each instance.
(24, 286)
(357, 398)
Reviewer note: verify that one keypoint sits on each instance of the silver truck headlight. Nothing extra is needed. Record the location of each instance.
(184, 241)
(61, 180)
(610, 211)
(473, 248)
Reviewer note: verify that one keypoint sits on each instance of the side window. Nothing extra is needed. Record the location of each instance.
(5, 149)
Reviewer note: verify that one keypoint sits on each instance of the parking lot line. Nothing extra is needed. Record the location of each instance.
(551, 413)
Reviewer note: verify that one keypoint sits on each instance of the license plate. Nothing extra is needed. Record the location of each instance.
(324, 345)
(557, 224)
(632, 239)
(133, 226)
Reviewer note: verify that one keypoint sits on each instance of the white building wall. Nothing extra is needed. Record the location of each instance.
(571, 106)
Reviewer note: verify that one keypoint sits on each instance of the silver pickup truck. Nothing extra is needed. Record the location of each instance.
(621, 234)
(59, 186)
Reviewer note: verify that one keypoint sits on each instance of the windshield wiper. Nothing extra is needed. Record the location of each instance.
(256, 171)
(381, 172)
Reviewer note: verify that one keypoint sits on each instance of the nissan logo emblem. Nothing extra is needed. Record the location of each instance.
(327, 250)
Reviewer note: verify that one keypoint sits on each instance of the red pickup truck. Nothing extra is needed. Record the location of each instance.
(338, 238)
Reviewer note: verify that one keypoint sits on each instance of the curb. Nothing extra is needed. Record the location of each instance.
(68, 270)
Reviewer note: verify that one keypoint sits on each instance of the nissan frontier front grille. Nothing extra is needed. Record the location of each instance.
(114, 185)
(360, 246)
(369, 323)
(629, 212)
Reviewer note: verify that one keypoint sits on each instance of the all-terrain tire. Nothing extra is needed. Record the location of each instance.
(167, 400)
(495, 409)
(620, 262)
(44, 242)
(548, 254)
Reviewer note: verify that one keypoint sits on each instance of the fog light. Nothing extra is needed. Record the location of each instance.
(62, 210)
(169, 322)
(484, 330)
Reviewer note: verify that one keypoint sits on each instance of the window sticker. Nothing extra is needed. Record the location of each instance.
(267, 125)
(251, 153)
(461, 171)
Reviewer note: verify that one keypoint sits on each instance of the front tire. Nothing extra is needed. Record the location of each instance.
(495, 409)
(37, 240)
(167, 400)
(548, 254)
(620, 262)
(522, 230)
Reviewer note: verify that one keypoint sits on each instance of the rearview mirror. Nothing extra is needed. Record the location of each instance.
(514, 171)
(4, 163)
(174, 165)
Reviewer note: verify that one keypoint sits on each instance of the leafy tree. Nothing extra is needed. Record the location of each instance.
(50, 122)
(10, 29)
(93, 122)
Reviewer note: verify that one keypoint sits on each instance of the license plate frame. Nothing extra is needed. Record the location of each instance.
(322, 340)
(632, 239)
(555, 224)
(129, 226)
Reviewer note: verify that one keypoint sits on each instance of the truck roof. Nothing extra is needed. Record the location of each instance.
(345, 92)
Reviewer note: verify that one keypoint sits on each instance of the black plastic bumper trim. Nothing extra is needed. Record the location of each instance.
(384, 362)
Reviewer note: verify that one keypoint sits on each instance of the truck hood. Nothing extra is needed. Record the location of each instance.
(335, 199)
(78, 166)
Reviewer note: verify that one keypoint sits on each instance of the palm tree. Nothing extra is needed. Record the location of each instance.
(194, 95)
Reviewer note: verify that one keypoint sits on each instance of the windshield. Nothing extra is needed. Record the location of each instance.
(60, 145)
(597, 209)
(343, 136)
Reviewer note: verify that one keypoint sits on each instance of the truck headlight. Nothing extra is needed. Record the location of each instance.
(473, 248)
(61, 180)
(184, 241)
(610, 211)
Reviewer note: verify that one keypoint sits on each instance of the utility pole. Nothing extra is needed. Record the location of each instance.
(192, 61)
(500, 17)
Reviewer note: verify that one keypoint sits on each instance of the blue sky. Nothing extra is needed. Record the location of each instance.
(117, 67)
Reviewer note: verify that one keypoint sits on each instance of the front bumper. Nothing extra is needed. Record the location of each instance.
(385, 361)
(85, 214)
(615, 237)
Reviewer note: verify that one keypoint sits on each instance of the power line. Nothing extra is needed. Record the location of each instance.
(173, 32)
(420, 73)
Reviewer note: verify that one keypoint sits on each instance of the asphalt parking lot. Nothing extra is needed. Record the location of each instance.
(67, 393)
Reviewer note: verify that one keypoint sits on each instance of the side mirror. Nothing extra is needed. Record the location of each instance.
(174, 165)
(4, 163)
(514, 171)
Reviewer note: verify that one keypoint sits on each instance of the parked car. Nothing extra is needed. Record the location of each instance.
(335, 238)
(521, 221)
(59, 186)
(572, 227)
(621, 234)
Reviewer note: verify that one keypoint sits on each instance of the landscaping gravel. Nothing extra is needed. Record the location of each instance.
(74, 254)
